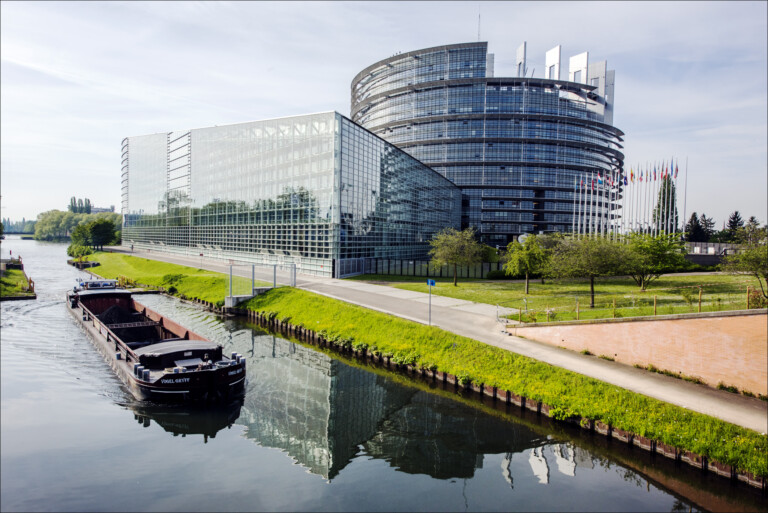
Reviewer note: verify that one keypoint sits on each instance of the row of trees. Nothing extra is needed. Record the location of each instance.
(89, 236)
(702, 228)
(78, 206)
(22, 226)
(642, 256)
(58, 225)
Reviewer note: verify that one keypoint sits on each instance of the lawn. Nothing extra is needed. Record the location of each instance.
(179, 280)
(675, 293)
(13, 283)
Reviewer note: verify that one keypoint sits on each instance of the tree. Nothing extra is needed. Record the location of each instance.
(694, 232)
(526, 258)
(102, 231)
(81, 235)
(2, 229)
(735, 222)
(589, 257)
(665, 212)
(451, 246)
(72, 204)
(653, 256)
(708, 226)
(86, 207)
(752, 259)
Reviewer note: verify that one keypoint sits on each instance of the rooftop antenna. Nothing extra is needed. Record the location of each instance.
(478, 22)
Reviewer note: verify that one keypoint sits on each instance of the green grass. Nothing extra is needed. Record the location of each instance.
(13, 283)
(567, 392)
(179, 280)
(674, 294)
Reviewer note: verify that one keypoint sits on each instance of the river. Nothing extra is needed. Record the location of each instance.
(314, 433)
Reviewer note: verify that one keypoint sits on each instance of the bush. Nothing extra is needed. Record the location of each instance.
(757, 299)
(499, 275)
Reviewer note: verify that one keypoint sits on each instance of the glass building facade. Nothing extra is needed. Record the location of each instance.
(317, 191)
(517, 147)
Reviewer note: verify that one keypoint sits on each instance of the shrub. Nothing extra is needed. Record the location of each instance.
(606, 357)
(757, 300)
(499, 275)
(586, 352)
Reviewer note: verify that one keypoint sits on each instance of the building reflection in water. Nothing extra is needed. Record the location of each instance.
(324, 413)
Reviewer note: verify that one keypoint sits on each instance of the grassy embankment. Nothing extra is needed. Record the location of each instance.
(677, 293)
(14, 283)
(567, 392)
(178, 280)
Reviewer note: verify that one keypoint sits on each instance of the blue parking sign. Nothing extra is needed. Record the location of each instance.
(431, 283)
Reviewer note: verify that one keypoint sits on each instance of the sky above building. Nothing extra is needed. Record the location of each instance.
(76, 78)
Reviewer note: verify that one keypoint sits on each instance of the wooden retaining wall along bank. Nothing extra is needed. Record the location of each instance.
(716, 347)
(653, 446)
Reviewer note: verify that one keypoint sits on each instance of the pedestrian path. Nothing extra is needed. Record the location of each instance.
(480, 322)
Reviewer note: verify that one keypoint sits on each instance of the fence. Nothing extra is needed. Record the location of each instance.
(677, 300)
(354, 266)
(242, 279)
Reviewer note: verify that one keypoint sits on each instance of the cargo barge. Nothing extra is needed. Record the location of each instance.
(159, 360)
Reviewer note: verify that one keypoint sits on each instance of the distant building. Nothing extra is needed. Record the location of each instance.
(318, 191)
(516, 146)
(96, 210)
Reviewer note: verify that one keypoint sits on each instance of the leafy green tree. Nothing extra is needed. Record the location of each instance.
(526, 258)
(589, 257)
(752, 258)
(86, 207)
(102, 231)
(72, 204)
(653, 256)
(81, 235)
(453, 247)
(2, 229)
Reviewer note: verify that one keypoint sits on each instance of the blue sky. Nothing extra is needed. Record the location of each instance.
(75, 78)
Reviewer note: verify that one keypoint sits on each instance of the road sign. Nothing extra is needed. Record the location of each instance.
(431, 283)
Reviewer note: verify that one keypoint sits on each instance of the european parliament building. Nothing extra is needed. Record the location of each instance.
(317, 191)
(516, 146)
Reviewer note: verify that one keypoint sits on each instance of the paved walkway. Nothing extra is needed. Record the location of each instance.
(479, 321)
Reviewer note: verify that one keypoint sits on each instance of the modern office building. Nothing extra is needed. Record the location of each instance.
(317, 191)
(516, 146)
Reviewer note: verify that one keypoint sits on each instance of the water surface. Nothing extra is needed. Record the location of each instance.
(313, 433)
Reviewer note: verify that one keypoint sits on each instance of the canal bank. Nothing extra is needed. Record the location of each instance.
(479, 322)
(644, 418)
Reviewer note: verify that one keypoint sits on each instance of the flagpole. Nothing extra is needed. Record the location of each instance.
(685, 196)
(573, 216)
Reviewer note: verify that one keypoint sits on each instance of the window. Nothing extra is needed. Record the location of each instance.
(577, 76)
(595, 82)
(552, 72)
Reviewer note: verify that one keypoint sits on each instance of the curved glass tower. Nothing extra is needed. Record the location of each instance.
(527, 153)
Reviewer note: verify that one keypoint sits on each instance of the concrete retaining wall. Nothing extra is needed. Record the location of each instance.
(732, 348)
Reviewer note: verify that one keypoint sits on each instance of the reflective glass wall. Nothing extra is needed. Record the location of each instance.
(517, 147)
(316, 191)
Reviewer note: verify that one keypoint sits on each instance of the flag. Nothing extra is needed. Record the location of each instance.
(654, 173)
(625, 181)
(599, 179)
(675, 171)
(593, 184)
(632, 175)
